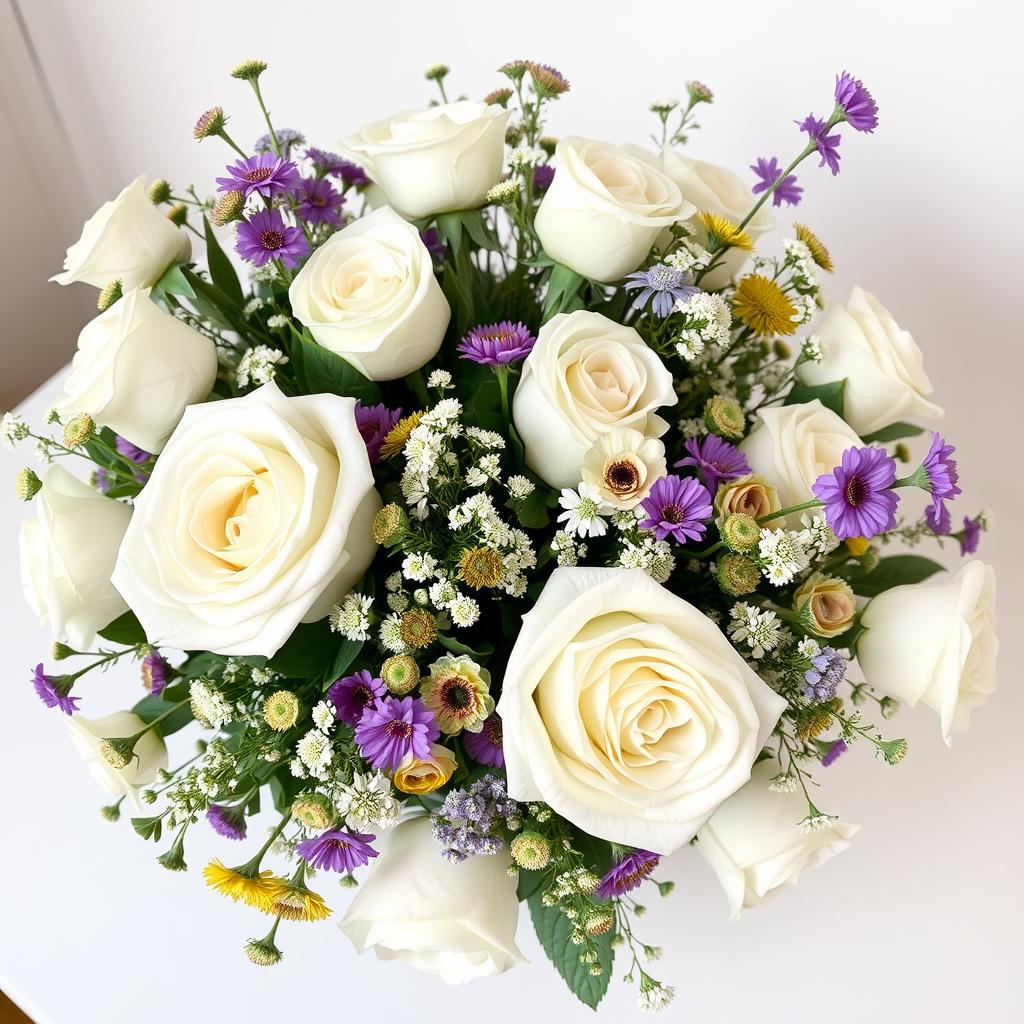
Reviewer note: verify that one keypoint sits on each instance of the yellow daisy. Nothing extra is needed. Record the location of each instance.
(396, 437)
(258, 889)
(723, 233)
(762, 305)
(297, 903)
(481, 567)
(819, 253)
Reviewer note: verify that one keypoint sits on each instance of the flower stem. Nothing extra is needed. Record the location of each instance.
(814, 503)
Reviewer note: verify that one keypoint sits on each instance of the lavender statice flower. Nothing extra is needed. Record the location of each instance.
(826, 145)
(824, 676)
(543, 175)
(319, 202)
(857, 495)
(374, 423)
(391, 729)
(485, 746)
(970, 536)
(469, 822)
(351, 695)
(286, 138)
(833, 753)
(715, 461)
(227, 821)
(661, 285)
(856, 103)
(337, 849)
(265, 174)
(768, 172)
(627, 873)
(154, 673)
(266, 236)
(54, 691)
(677, 508)
(497, 344)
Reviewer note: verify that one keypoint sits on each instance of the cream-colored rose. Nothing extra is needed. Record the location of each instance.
(436, 160)
(67, 554)
(749, 495)
(126, 239)
(457, 921)
(883, 368)
(756, 846)
(150, 753)
(793, 445)
(936, 643)
(827, 603)
(256, 517)
(586, 376)
(605, 208)
(136, 369)
(627, 710)
(370, 295)
(623, 465)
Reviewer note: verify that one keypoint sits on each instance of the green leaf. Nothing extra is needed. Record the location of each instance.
(125, 629)
(347, 653)
(563, 291)
(173, 282)
(201, 664)
(222, 273)
(151, 707)
(894, 571)
(449, 643)
(830, 395)
(320, 370)
(149, 828)
(893, 432)
(214, 304)
(553, 929)
(308, 653)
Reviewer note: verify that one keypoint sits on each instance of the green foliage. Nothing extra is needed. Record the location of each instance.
(312, 652)
(222, 272)
(563, 291)
(830, 395)
(891, 572)
(173, 282)
(150, 708)
(318, 370)
(125, 629)
(149, 828)
(893, 432)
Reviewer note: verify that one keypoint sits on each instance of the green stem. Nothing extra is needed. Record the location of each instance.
(814, 503)
(234, 145)
(501, 372)
(266, 115)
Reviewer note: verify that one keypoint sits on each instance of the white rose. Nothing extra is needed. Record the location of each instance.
(67, 555)
(627, 710)
(370, 295)
(586, 375)
(882, 366)
(936, 643)
(624, 465)
(756, 846)
(150, 753)
(454, 920)
(605, 208)
(437, 160)
(256, 517)
(793, 445)
(136, 369)
(126, 239)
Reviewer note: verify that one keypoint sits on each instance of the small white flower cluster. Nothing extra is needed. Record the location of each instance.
(809, 648)
(259, 366)
(351, 618)
(252, 306)
(514, 545)
(428, 455)
(654, 996)
(504, 193)
(193, 792)
(784, 554)
(689, 258)
(314, 752)
(817, 536)
(367, 803)
(209, 705)
(784, 782)
(488, 468)
(800, 262)
(708, 322)
(567, 550)
(525, 158)
(12, 429)
(519, 487)
(760, 631)
(653, 556)
(806, 308)
(440, 379)
(810, 351)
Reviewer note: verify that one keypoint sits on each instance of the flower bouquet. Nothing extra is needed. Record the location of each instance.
(497, 519)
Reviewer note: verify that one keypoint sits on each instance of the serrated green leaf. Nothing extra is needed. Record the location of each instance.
(125, 629)
(830, 395)
(894, 571)
(320, 370)
(222, 272)
(893, 432)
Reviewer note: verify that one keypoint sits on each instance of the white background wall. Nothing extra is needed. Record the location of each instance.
(922, 915)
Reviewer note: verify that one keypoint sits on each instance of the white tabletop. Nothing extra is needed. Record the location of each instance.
(921, 916)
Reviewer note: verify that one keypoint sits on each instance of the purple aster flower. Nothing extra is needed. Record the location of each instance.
(319, 202)
(228, 822)
(330, 163)
(431, 238)
(55, 691)
(337, 850)
(664, 286)
(286, 138)
(970, 536)
(351, 695)
(857, 495)
(134, 454)
(856, 102)
(769, 172)
(485, 746)
(375, 423)
(827, 145)
(824, 676)
(543, 175)
(938, 518)
(627, 874)
(265, 237)
(265, 173)
(938, 475)
(677, 508)
(833, 753)
(392, 728)
(497, 344)
(154, 673)
(716, 461)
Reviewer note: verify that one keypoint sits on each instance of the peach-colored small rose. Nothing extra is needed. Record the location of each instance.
(424, 776)
(830, 604)
(751, 494)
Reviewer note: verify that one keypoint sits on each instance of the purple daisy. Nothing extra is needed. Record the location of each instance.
(352, 175)
(319, 202)
(286, 138)
(769, 172)
(833, 753)
(265, 236)
(677, 508)
(374, 423)
(938, 475)
(265, 173)
(154, 673)
(857, 495)
(485, 746)
(54, 691)
(228, 822)
(827, 145)
(824, 676)
(431, 239)
(716, 461)
(627, 874)
(856, 102)
(337, 850)
(351, 695)
(392, 728)
(543, 175)
(497, 344)
(939, 518)
(970, 536)
(663, 286)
